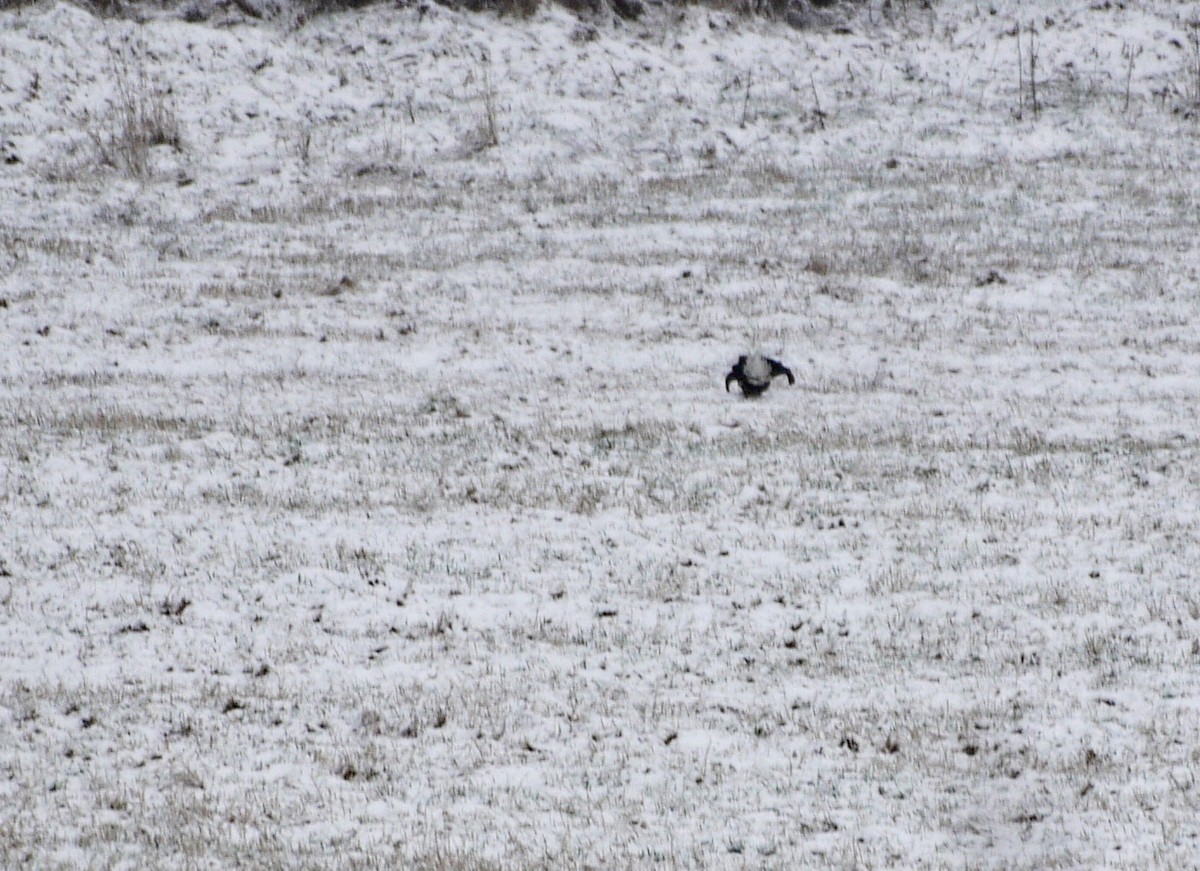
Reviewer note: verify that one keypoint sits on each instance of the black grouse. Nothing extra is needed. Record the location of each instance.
(753, 373)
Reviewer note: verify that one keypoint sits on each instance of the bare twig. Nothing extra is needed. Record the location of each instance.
(1020, 75)
(818, 112)
(1033, 58)
(1130, 55)
(491, 134)
(746, 98)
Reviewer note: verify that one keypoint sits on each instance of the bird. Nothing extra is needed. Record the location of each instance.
(753, 373)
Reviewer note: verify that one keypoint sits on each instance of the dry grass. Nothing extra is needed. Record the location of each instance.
(401, 493)
(140, 118)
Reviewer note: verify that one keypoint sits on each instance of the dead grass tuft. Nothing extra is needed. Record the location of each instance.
(141, 118)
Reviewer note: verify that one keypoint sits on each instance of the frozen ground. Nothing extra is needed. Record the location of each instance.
(370, 496)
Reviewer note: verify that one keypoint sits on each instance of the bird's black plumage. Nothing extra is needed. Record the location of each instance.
(753, 373)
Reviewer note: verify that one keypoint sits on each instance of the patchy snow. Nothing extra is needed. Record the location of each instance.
(371, 498)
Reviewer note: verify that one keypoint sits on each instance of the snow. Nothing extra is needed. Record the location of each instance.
(370, 495)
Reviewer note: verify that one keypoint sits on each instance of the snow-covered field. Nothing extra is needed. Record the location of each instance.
(370, 496)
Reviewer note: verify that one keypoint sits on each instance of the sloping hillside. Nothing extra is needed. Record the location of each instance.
(370, 496)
